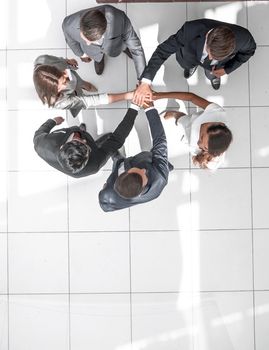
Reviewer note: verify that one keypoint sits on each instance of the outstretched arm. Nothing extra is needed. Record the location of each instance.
(88, 101)
(120, 134)
(44, 130)
(159, 56)
(159, 148)
(185, 96)
(134, 45)
(120, 96)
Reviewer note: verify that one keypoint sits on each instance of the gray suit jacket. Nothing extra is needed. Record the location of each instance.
(118, 35)
(72, 97)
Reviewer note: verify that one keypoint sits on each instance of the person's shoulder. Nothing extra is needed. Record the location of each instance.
(214, 107)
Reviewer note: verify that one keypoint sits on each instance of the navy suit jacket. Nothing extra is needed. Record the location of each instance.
(188, 44)
(155, 162)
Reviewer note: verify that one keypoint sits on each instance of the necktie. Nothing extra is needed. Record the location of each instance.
(206, 63)
(77, 134)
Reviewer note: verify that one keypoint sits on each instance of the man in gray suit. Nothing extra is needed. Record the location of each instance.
(101, 30)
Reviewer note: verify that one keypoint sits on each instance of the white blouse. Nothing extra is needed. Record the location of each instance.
(192, 125)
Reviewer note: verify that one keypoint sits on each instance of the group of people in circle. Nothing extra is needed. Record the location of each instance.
(218, 47)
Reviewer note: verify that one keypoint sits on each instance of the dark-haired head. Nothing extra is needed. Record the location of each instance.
(220, 42)
(46, 81)
(129, 185)
(93, 25)
(219, 139)
(73, 156)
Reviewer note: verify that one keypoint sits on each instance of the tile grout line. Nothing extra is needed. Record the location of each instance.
(7, 216)
(68, 233)
(129, 224)
(139, 292)
(102, 108)
(190, 223)
(63, 48)
(251, 197)
(146, 231)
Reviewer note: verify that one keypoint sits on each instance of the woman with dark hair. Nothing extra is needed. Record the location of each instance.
(205, 131)
(58, 85)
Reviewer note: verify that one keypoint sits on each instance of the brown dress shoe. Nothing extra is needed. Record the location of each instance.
(99, 66)
(173, 114)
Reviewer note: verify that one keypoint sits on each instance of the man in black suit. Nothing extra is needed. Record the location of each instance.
(141, 178)
(218, 47)
(73, 151)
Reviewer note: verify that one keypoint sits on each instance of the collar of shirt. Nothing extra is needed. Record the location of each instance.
(99, 42)
(70, 138)
(205, 54)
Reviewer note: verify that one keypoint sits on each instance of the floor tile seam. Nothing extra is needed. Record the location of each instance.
(196, 291)
(36, 171)
(110, 108)
(68, 49)
(68, 228)
(74, 232)
(7, 267)
(68, 261)
(129, 222)
(251, 197)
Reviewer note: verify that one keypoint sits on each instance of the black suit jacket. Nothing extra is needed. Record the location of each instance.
(47, 144)
(155, 162)
(188, 44)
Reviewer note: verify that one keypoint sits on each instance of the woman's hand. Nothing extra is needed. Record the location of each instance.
(72, 62)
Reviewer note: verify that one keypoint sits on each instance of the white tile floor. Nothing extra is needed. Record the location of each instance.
(186, 271)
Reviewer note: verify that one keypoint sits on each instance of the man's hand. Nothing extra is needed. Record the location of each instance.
(147, 104)
(143, 91)
(85, 59)
(58, 120)
(72, 62)
(218, 72)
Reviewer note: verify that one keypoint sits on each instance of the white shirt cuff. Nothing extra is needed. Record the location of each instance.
(147, 81)
(149, 108)
(133, 106)
(103, 99)
(84, 55)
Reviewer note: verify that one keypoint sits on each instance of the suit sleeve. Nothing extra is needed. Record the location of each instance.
(243, 55)
(42, 132)
(134, 45)
(118, 137)
(73, 44)
(82, 102)
(159, 149)
(107, 197)
(50, 60)
(162, 53)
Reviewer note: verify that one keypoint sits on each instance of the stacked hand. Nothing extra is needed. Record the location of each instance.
(142, 93)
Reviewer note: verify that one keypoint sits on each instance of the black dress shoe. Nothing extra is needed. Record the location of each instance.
(215, 82)
(82, 126)
(99, 66)
(189, 72)
(128, 53)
